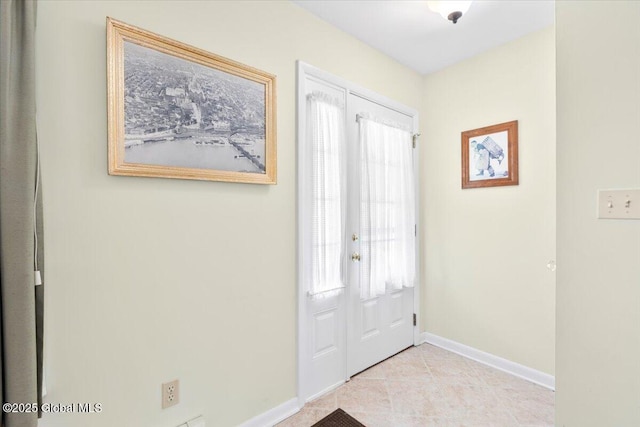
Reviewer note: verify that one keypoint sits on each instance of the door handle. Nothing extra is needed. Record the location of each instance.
(355, 257)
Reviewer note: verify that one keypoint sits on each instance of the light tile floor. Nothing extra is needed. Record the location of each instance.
(427, 386)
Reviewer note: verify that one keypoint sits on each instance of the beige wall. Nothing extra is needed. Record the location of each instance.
(598, 298)
(153, 279)
(484, 251)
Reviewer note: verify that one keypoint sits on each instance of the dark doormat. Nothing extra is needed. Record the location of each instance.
(338, 418)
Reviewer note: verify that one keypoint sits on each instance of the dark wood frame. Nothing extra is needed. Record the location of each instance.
(512, 137)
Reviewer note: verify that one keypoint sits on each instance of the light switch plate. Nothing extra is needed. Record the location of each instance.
(619, 204)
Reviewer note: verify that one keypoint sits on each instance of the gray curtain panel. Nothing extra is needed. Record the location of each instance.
(20, 215)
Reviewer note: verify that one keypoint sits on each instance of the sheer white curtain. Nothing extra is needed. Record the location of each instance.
(387, 210)
(325, 127)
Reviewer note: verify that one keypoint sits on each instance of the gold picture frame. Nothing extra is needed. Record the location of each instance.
(176, 111)
(493, 149)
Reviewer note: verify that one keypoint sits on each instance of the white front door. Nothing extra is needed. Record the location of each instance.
(339, 333)
(379, 326)
(323, 354)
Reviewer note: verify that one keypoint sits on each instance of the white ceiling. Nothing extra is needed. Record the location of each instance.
(412, 34)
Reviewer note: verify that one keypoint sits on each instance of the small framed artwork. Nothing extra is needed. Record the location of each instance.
(490, 156)
(176, 111)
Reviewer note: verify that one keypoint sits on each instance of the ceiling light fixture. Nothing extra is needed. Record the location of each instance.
(450, 9)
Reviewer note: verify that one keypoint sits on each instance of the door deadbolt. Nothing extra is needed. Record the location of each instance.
(354, 237)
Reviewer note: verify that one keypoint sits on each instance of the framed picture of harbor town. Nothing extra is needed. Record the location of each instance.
(176, 111)
(490, 156)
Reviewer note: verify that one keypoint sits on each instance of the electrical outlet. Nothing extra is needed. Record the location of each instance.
(170, 393)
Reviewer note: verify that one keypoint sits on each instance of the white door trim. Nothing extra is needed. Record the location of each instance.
(304, 72)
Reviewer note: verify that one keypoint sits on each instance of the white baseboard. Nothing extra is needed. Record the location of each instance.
(513, 368)
(275, 415)
(325, 391)
(291, 406)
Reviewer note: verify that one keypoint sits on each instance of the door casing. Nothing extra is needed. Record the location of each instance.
(305, 73)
